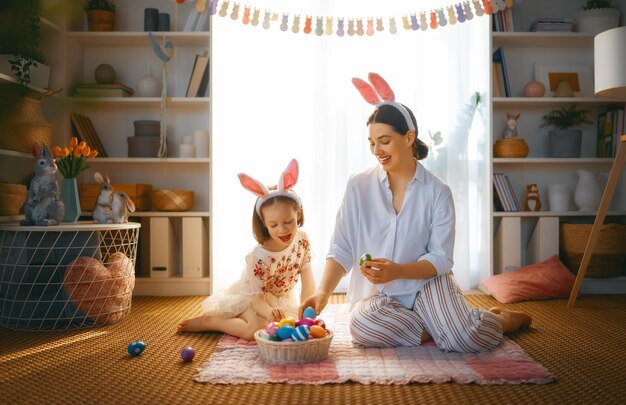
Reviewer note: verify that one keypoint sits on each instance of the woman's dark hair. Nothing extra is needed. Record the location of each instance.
(259, 230)
(390, 115)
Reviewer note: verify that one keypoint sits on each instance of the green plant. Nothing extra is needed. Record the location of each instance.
(107, 5)
(591, 4)
(20, 37)
(566, 117)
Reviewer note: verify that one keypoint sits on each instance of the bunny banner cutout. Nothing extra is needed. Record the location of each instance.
(287, 180)
(421, 20)
(381, 94)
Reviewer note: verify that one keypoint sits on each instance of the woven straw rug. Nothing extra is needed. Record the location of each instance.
(237, 361)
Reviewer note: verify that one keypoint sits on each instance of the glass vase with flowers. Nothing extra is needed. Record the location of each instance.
(71, 161)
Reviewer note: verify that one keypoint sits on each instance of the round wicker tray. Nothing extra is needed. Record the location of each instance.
(510, 148)
(294, 352)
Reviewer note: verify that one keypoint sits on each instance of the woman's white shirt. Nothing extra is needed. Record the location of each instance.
(366, 222)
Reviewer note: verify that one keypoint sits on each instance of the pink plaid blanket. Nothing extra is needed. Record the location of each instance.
(237, 361)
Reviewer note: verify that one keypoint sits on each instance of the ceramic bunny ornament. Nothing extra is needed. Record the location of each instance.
(44, 205)
(510, 130)
(287, 180)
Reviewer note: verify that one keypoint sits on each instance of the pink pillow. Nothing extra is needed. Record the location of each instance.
(548, 279)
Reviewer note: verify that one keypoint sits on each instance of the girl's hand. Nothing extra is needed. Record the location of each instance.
(318, 301)
(380, 270)
(276, 314)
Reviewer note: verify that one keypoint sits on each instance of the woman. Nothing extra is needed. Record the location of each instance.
(403, 216)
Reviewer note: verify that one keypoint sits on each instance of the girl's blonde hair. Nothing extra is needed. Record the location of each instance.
(259, 230)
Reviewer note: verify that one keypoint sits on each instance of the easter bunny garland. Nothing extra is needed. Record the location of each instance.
(379, 93)
(287, 180)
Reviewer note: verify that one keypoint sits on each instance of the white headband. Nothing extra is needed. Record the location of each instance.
(381, 94)
(287, 180)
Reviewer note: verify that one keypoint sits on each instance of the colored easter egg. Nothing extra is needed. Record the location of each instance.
(264, 335)
(305, 321)
(320, 322)
(365, 258)
(285, 332)
(136, 347)
(301, 332)
(317, 331)
(272, 328)
(188, 353)
(287, 321)
(309, 312)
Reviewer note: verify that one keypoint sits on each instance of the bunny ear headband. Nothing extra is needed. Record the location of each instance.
(288, 179)
(381, 94)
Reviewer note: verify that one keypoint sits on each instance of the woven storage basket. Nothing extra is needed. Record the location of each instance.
(510, 148)
(172, 200)
(609, 254)
(100, 20)
(24, 125)
(306, 351)
(12, 198)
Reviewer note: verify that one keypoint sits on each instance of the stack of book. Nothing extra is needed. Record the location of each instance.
(552, 24)
(502, 21)
(504, 196)
(102, 90)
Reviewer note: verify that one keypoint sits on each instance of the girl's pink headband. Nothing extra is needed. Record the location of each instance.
(381, 94)
(287, 180)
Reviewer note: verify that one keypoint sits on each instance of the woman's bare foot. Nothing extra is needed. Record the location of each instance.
(512, 320)
(197, 324)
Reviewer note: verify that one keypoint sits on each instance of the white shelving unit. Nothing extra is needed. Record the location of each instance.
(521, 238)
(73, 53)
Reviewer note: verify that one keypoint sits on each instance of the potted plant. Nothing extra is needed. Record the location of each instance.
(100, 14)
(20, 49)
(564, 140)
(597, 16)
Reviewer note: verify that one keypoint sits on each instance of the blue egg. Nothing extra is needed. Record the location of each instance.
(309, 312)
(301, 332)
(285, 332)
(136, 347)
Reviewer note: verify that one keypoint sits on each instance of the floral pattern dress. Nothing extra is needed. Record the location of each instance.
(273, 274)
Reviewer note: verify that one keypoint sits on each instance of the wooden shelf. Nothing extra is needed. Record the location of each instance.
(128, 39)
(557, 161)
(172, 286)
(148, 214)
(554, 214)
(143, 101)
(542, 39)
(552, 102)
(4, 152)
(172, 160)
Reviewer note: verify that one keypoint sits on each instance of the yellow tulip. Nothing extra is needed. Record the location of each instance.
(73, 142)
(57, 152)
(82, 145)
(86, 151)
(93, 153)
(66, 151)
(78, 151)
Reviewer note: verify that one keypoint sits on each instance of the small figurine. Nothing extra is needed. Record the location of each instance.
(533, 202)
(510, 131)
(44, 205)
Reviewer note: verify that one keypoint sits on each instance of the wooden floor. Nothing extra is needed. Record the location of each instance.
(584, 347)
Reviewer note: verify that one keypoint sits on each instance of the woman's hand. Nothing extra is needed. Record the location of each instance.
(318, 301)
(380, 270)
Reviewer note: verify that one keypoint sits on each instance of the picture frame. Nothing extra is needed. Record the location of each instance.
(580, 79)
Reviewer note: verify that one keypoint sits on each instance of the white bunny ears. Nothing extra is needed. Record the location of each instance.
(287, 180)
(380, 94)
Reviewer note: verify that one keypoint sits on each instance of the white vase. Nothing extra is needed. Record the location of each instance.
(148, 85)
(558, 197)
(588, 193)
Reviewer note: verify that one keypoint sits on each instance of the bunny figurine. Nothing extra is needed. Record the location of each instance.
(510, 131)
(103, 210)
(44, 205)
(121, 206)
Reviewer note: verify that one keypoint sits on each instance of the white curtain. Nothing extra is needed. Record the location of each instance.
(279, 95)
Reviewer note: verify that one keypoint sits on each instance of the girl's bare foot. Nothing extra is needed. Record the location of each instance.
(512, 320)
(197, 324)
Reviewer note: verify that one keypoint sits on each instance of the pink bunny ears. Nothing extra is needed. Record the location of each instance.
(287, 180)
(381, 94)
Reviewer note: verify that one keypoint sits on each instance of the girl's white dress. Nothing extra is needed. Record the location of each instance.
(274, 274)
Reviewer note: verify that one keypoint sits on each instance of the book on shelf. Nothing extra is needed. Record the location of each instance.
(498, 199)
(509, 189)
(498, 58)
(552, 24)
(502, 21)
(496, 80)
(102, 90)
(84, 130)
(499, 194)
(200, 67)
(505, 193)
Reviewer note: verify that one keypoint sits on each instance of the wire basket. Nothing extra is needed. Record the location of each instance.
(510, 148)
(306, 351)
(172, 200)
(68, 276)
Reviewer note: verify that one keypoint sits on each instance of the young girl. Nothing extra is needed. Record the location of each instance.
(266, 290)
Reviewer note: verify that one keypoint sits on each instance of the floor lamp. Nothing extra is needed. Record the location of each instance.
(610, 81)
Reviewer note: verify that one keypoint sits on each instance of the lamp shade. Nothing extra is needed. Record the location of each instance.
(610, 63)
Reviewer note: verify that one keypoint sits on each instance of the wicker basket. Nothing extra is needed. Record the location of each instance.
(609, 254)
(12, 198)
(510, 148)
(172, 200)
(24, 125)
(306, 351)
(100, 20)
